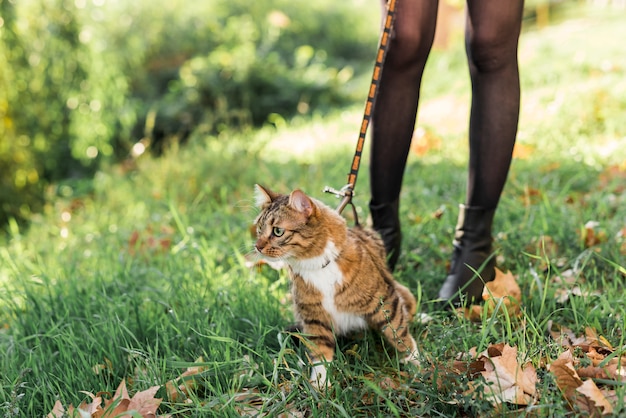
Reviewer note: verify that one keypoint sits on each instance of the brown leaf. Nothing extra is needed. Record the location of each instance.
(145, 403)
(596, 340)
(98, 368)
(600, 368)
(112, 408)
(583, 395)
(470, 368)
(566, 377)
(561, 334)
(93, 407)
(117, 404)
(591, 339)
(248, 402)
(503, 291)
(506, 380)
(121, 392)
(592, 235)
(592, 372)
(57, 411)
(177, 391)
(424, 141)
(531, 196)
(593, 394)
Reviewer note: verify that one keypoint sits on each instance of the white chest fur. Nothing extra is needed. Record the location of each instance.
(324, 274)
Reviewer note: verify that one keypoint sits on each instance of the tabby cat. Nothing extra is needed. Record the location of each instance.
(340, 280)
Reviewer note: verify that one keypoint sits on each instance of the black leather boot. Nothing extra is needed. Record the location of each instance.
(386, 222)
(473, 263)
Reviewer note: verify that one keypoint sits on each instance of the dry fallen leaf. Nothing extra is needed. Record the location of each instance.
(506, 380)
(590, 340)
(531, 196)
(604, 368)
(424, 141)
(583, 396)
(57, 411)
(145, 403)
(99, 368)
(567, 284)
(178, 389)
(592, 235)
(92, 408)
(566, 377)
(503, 291)
(118, 403)
(591, 391)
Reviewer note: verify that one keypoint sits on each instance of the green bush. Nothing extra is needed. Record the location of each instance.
(82, 81)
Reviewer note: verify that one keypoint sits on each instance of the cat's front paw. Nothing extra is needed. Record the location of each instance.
(319, 377)
(412, 358)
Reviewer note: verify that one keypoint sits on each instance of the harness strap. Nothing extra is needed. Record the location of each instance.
(347, 191)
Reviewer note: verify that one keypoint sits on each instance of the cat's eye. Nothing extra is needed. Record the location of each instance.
(278, 232)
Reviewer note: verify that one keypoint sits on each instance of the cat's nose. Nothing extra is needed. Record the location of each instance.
(259, 245)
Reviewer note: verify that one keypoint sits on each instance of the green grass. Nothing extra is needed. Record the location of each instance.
(78, 297)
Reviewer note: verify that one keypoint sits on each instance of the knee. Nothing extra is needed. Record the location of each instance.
(409, 48)
(491, 50)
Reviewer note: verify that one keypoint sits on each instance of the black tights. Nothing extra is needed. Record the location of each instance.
(492, 33)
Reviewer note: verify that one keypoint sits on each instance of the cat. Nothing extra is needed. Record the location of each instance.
(339, 276)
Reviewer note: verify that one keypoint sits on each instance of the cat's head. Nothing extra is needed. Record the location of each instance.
(288, 226)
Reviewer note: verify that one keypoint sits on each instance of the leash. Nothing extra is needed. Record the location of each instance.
(347, 192)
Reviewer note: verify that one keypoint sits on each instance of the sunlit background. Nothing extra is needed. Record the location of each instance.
(90, 82)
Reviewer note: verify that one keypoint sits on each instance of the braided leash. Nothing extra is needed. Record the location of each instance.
(347, 192)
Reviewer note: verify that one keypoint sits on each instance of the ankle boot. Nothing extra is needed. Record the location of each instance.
(386, 222)
(473, 263)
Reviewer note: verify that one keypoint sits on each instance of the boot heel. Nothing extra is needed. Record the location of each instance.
(473, 261)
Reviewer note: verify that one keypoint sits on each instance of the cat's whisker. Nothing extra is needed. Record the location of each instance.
(247, 204)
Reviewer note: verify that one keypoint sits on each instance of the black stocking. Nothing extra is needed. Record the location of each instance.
(393, 120)
(492, 32)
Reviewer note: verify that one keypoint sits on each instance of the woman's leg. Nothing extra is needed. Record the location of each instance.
(492, 34)
(393, 119)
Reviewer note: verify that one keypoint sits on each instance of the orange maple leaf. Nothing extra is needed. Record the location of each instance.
(145, 403)
(57, 410)
(507, 381)
(584, 396)
(117, 404)
(503, 291)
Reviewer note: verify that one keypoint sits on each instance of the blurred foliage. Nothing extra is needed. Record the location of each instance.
(83, 81)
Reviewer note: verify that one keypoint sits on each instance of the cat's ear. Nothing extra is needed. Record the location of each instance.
(301, 202)
(263, 196)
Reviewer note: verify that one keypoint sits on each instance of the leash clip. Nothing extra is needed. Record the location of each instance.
(345, 194)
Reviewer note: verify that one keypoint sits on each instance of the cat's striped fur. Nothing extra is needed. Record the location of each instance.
(340, 280)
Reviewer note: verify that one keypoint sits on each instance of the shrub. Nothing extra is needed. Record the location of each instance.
(82, 81)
